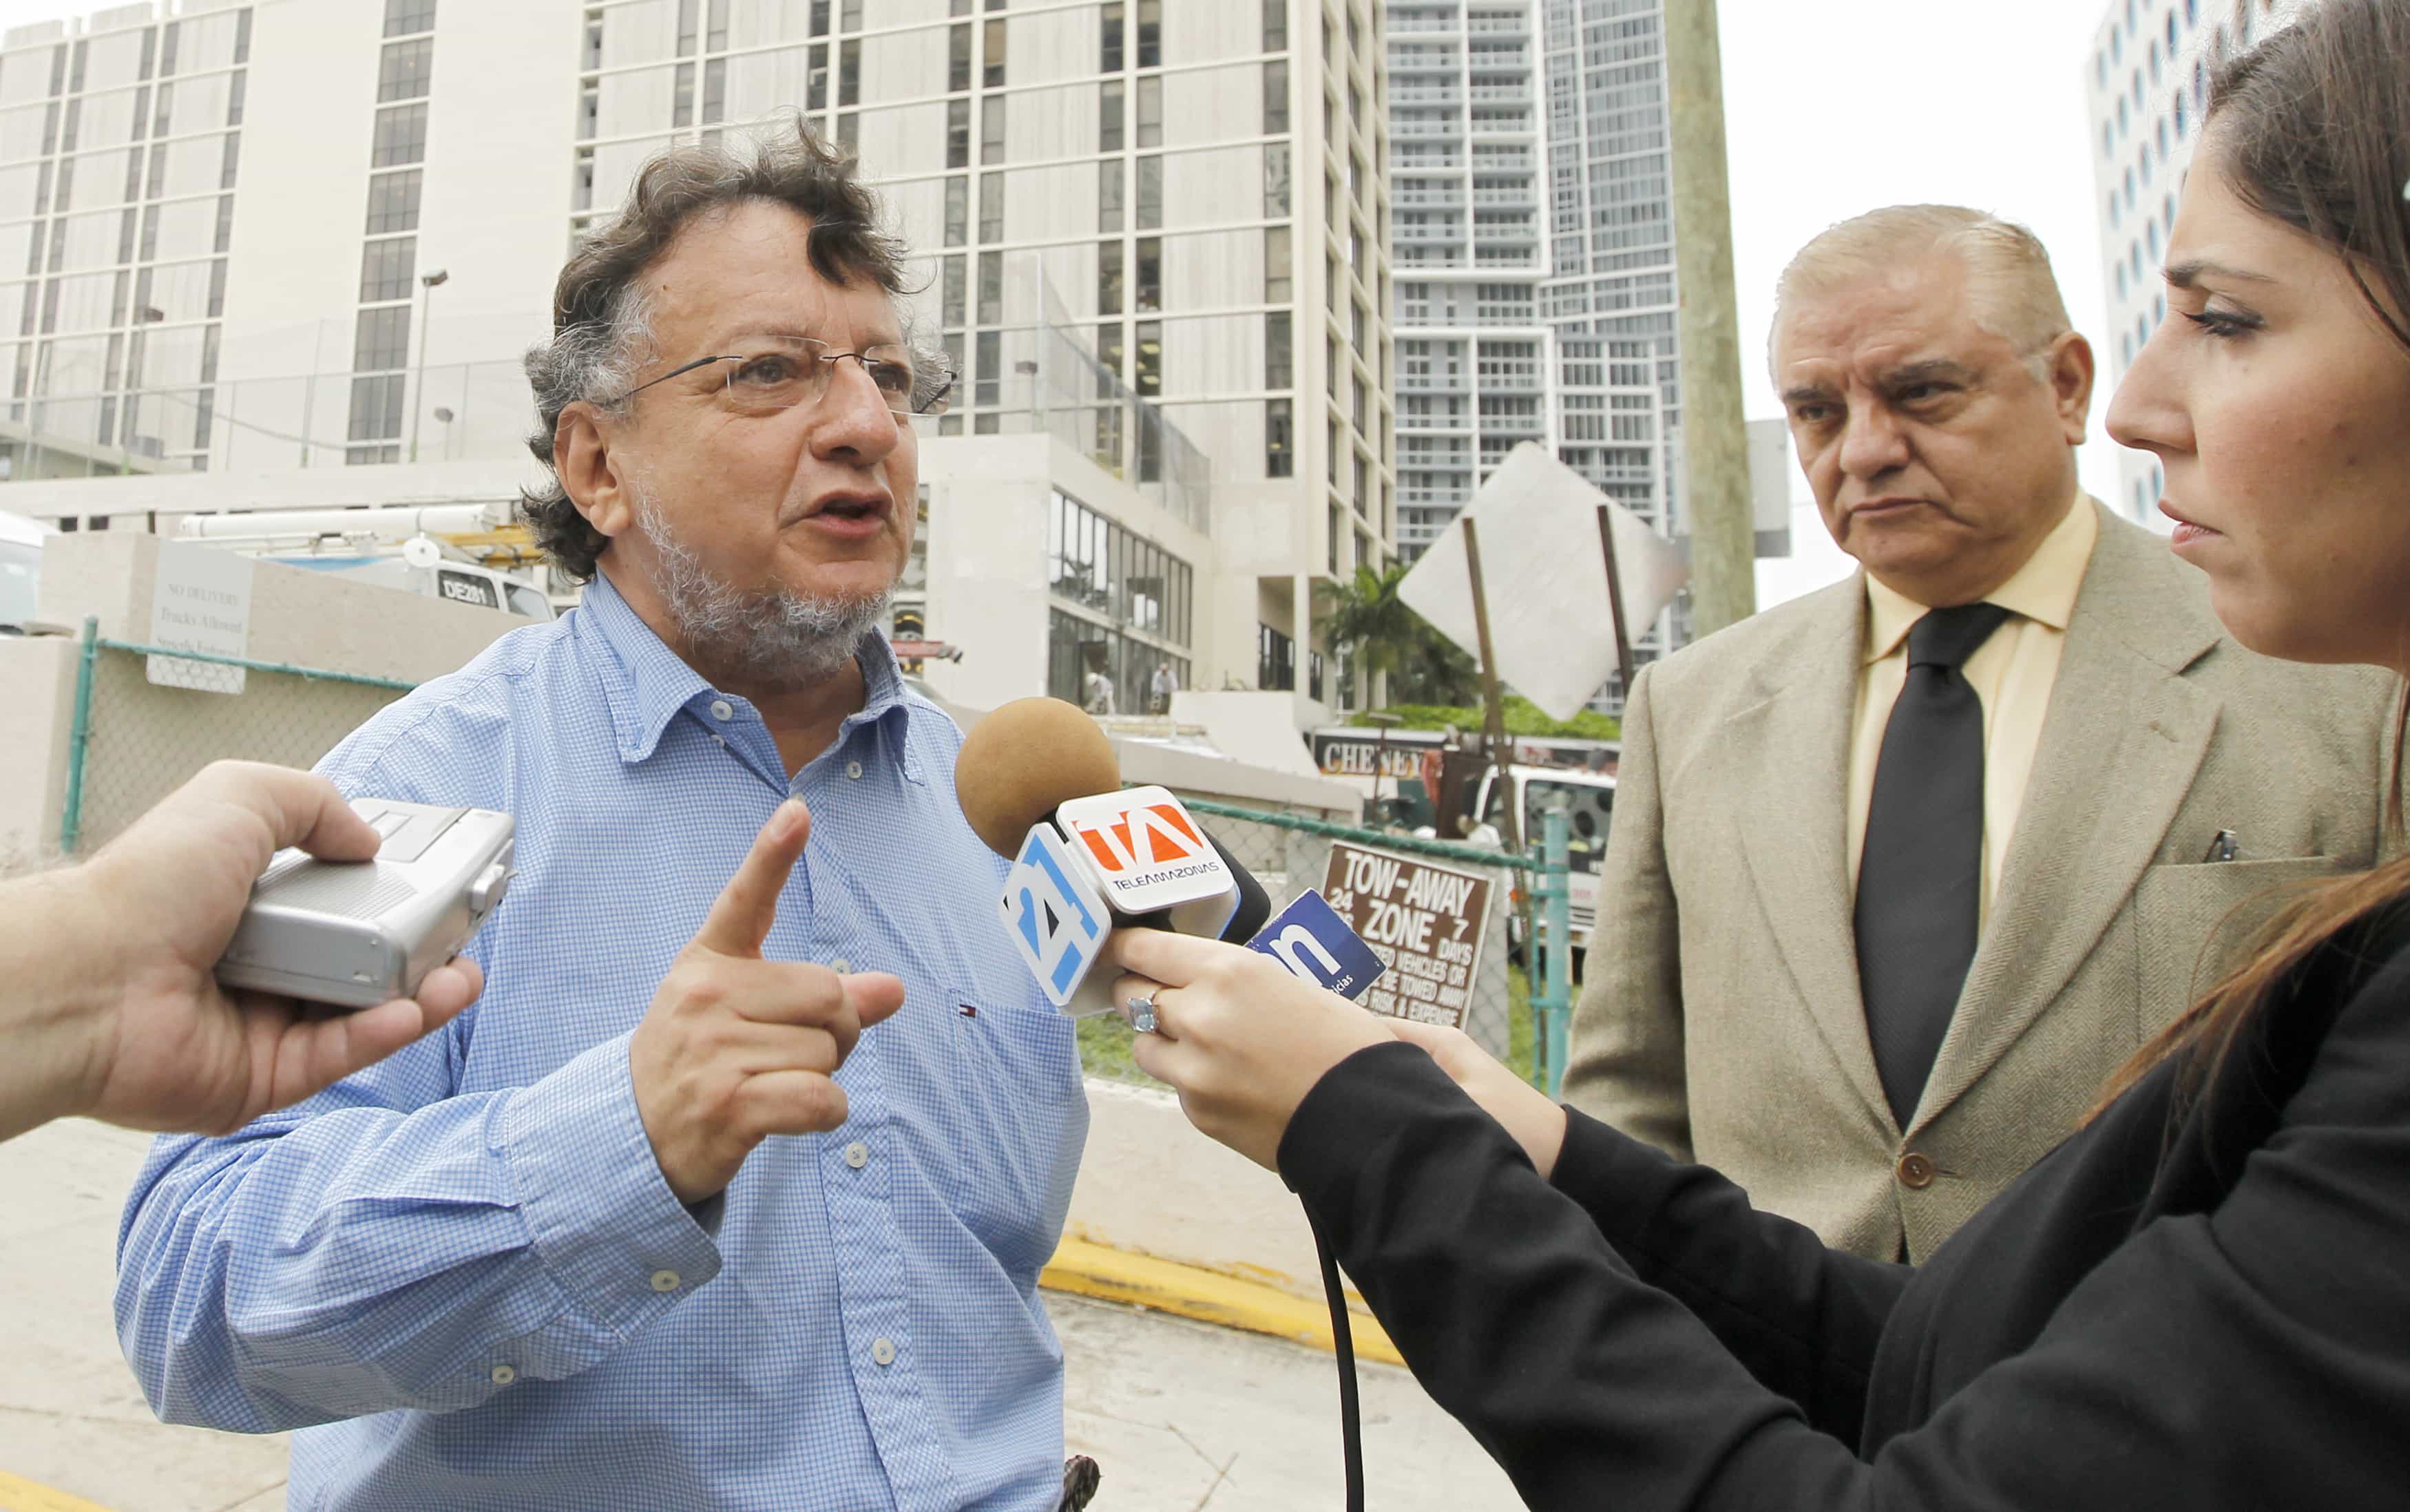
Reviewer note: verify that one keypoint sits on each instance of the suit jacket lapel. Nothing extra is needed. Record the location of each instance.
(2124, 735)
(1792, 816)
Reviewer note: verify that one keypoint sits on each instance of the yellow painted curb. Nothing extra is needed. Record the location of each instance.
(1091, 1269)
(20, 1495)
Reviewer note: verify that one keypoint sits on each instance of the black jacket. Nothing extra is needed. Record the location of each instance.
(2205, 1316)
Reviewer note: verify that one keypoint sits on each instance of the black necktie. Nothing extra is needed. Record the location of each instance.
(1920, 874)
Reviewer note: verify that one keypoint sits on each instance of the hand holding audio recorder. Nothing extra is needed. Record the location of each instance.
(353, 934)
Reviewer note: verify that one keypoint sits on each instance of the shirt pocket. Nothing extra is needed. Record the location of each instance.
(1024, 1112)
(2194, 921)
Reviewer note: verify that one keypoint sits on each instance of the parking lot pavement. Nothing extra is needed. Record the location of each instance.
(1182, 1415)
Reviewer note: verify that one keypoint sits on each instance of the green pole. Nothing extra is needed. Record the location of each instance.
(1556, 853)
(80, 739)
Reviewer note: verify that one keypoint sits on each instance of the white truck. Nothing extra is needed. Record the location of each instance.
(1588, 800)
(20, 570)
(408, 547)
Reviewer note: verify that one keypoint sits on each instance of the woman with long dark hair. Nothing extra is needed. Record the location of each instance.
(2201, 1299)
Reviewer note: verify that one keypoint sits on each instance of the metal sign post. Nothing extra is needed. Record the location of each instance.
(1493, 702)
(1614, 596)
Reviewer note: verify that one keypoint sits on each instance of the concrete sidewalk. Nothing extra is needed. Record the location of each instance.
(1182, 1416)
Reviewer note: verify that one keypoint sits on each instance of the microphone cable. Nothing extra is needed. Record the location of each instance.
(1342, 1343)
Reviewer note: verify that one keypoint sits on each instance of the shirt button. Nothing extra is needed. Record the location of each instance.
(857, 1154)
(666, 1281)
(722, 709)
(1916, 1171)
(504, 1375)
(853, 769)
(884, 1351)
(840, 965)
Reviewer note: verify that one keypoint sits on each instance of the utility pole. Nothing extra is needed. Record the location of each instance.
(1715, 438)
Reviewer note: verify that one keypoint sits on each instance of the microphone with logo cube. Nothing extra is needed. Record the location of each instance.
(1040, 783)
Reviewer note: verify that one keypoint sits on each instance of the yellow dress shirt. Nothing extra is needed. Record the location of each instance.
(2012, 675)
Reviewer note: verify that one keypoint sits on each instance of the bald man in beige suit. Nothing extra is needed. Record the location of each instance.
(2125, 777)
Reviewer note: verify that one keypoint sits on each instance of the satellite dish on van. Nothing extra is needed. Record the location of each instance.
(419, 551)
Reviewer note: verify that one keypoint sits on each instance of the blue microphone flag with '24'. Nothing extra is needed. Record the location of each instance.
(1312, 940)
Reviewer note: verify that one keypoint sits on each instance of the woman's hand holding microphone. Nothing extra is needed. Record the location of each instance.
(1243, 1041)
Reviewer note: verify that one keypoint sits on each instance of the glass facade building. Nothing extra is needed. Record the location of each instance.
(121, 149)
(1534, 246)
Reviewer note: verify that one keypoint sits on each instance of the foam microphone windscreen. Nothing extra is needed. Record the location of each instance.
(1025, 760)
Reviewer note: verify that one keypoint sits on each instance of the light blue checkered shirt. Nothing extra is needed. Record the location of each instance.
(464, 1262)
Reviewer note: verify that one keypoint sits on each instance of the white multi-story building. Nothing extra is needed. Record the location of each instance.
(1534, 249)
(2147, 83)
(301, 233)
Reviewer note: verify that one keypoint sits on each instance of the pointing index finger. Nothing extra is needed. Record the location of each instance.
(747, 907)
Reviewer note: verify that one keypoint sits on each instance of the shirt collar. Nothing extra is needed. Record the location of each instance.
(647, 685)
(2043, 589)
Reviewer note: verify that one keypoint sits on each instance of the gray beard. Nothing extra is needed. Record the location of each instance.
(781, 641)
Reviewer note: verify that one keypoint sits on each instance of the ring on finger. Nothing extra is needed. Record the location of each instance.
(1138, 1009)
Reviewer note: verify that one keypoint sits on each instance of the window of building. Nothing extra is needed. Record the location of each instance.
(1150, 112)
(1149, 275)
(403, 17)
(386, 268)
(1109, 278)
(1114, 39)
(400, 136)
(1275, 659)
(954, 281)
(381, 340)
(1148, 377)
(958, 58)
(1276, 265)
(987, 369)
(1109, 115)
(991, 288)
(1150, 193)
(991, 127)
(958, 195)
(1276, 196)
(1276, 97)
(376, 411)
(991, 207)
(1150, 34)
(1280, 438)
(1275, 25)
(991, 77)
(1280, 358)
(958, 132)
(404, 69)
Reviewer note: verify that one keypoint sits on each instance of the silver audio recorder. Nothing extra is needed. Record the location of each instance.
(355, 934)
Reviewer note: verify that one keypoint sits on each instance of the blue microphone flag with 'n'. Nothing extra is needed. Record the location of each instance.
(1312, 940)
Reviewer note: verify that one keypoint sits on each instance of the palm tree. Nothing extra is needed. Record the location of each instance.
(1365, 618)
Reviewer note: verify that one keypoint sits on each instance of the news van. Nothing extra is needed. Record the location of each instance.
(1589, 800)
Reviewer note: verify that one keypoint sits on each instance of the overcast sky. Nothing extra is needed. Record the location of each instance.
(1838, 107)
(1833, 107)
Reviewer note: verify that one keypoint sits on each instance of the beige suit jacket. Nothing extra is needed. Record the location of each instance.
(1721, 1019)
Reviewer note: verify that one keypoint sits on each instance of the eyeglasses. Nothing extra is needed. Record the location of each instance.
(786, 372)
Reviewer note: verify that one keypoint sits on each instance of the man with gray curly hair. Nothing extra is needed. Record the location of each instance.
(734, 1191)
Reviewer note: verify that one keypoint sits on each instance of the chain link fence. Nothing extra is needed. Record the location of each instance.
(136, 740)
